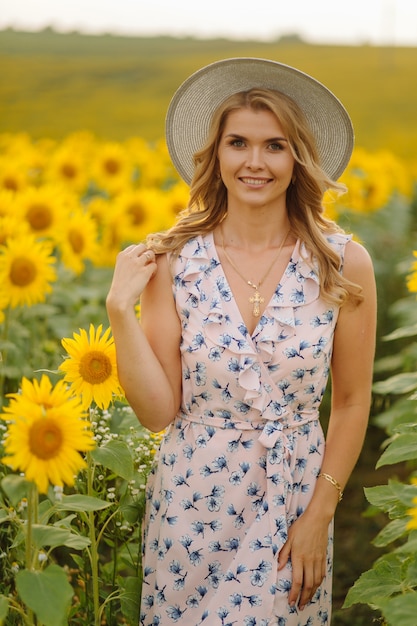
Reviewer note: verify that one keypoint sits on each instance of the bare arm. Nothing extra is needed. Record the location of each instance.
(148, 353)
(352, 369)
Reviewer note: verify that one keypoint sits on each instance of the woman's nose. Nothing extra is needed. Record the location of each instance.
(254, 160)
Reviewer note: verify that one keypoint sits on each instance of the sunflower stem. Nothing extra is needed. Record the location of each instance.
(93, 541)
(3, 353)
(32, 511)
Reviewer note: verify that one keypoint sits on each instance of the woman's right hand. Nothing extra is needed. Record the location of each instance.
(135, 266)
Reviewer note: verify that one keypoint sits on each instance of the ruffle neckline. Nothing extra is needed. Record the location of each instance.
(203, 277)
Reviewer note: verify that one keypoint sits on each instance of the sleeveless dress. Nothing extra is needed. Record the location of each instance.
(239, 463)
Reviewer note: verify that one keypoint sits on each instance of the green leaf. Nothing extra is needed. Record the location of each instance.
(77, 542)
(400, 610)
(384, 579)
(51, 537)
(394, 498)
(402, 448)
(392, 531)
(47, 593)
(410, 547)
(401, 412)
(399, 333)
(398, 384)
(4, 609)
(81, 503)
(130, 598)
(115, 456)
(15, 487)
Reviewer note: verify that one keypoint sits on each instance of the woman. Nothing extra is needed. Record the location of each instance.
(247, 304)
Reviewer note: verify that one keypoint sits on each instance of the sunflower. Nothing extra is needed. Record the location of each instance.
(68, 165)
(7, 198)
(144, 210)
(47, 431)
(38, 392)
(43, 208)
(12, 175)
(113, 228)
(26, 270)
(11, 226)
(112, 168)
(78, 240)
(91, 366)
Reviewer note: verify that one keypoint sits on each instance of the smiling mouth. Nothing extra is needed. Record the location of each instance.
(254, 181)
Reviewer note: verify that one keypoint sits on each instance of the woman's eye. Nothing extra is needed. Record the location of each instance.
(276, 146)
(238, 143)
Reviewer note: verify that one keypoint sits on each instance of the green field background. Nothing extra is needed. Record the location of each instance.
(53, 84)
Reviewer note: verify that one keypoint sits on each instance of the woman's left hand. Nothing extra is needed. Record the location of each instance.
(306, 547)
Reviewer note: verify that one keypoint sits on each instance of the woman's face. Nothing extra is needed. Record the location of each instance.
(255, 160)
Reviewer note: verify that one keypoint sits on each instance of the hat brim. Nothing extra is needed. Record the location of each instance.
(195, 101)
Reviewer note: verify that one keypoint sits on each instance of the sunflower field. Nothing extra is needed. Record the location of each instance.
(73, 457)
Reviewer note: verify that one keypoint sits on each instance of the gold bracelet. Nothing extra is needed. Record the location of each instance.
(334, 482)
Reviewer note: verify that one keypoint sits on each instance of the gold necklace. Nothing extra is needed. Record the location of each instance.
(256, 299)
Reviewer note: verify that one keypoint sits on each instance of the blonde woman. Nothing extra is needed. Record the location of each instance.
(247, 305)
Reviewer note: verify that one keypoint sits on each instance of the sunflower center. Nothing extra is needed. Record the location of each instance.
(111, 166)
(95, 367)
(68, 171)
(76, 241)
(11, 183)
(137, 212)
(22, 272)
(39, 216)
(45, 438)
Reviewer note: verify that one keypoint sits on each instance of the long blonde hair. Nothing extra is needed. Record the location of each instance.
(207, 205)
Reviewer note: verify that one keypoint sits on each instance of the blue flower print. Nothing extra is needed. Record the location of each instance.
(193, 601)
(224, 289)
(225, 393)
(319, 346)
(178, 570)
(233, 365)
(214, 576)
(240, 569)
(242, 407)
(191, 504)
(182, 480)
(175, 613)
(260, 574)
(239, 520)
(194, 556)
(297, 296)
(225, 340)
(215, 499)
(215, 354)
(292, 352)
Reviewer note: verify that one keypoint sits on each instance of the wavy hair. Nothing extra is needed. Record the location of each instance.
(207, 205)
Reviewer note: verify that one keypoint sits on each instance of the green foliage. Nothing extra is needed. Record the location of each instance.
(47, 568)
(47, 593)
(54, 84)
(390, 586)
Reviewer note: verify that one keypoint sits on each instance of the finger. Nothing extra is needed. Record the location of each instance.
(284, 555)
(297, 583)
(307, 590)
(312, 580)
(149, 256)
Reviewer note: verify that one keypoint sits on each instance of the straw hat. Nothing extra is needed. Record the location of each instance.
(193, 104)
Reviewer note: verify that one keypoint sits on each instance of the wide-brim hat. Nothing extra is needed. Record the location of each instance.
(195, 101)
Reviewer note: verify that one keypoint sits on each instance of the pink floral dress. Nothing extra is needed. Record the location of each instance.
(239, 463)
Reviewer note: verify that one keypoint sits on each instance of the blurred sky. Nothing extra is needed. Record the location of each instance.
(379, 22)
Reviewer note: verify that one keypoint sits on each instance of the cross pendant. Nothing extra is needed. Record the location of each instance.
(256, 300)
